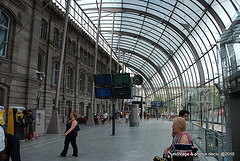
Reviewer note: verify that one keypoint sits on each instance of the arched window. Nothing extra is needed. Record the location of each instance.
(81, 82)
(89, 84)
(4, 31)
(55, 73)
(55, 37)
(69, 78)
(43, 29)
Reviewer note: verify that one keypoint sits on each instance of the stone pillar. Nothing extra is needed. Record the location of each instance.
(134, 118)
(90, 121)
(234, 126)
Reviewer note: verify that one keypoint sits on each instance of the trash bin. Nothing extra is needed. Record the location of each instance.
(134, 118)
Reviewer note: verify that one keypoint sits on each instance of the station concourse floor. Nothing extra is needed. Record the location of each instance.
(96, 143)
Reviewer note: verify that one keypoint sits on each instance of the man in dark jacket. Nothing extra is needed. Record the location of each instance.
(12, 147)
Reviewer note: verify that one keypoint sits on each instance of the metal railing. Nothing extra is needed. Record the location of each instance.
(211, 143)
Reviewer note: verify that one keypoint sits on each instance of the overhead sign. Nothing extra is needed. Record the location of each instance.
(113, 86)
(102, 79)
(121, 79)
(154, 104)
(102, 93)
(122, 92)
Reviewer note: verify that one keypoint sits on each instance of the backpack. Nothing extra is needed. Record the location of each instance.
(78, 128)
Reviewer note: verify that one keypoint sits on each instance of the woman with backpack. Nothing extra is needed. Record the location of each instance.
(71, 136)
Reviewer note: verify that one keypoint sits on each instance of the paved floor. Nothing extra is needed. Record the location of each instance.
(95, 143)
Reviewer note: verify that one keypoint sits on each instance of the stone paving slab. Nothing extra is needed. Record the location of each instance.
(96, 143)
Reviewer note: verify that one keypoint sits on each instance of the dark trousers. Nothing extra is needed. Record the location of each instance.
(70, 138)
(13, 152)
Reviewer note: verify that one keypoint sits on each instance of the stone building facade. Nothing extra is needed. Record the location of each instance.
(30, 38)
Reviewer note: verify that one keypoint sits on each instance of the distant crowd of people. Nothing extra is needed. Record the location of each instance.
(10, 147)
(9, 144)
(28, 123)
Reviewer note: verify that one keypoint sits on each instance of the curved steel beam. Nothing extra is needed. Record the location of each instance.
(162, 49)
(192, 48)
(154, 66)
(148, 80)
(213, 13)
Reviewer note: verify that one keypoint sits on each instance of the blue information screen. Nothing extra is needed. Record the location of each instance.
(102, 80)
(103, 93)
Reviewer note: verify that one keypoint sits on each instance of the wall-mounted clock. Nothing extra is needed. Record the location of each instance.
(137, 80)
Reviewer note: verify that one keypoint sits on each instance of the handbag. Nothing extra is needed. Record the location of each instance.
(164, 158)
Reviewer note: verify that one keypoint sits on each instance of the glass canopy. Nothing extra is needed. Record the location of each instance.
(172, 44)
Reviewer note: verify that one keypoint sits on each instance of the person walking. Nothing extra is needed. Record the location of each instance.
(105, 117)
(70, 136)
(32, 125)
(127, 116)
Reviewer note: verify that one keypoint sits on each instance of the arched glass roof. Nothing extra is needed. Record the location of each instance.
(171, 43)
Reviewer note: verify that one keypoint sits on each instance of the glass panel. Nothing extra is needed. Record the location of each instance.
(4, 20)
(221, 13)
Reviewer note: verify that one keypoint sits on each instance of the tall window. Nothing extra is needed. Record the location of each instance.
(43, 30)
(81, 109)
(81, 82)
(39, 63)
(60, 41)
(68, 45)
(4, 30)
(55, 37)
(55, 73)
(89, 59)
(69, 75)
(89, 84)
(85, 56)
(81, 54)
(73, 48)
(1, 97)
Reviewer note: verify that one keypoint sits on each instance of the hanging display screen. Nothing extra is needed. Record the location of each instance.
(121, 79)
(122, 92)
(102, 93)
(102, 79)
